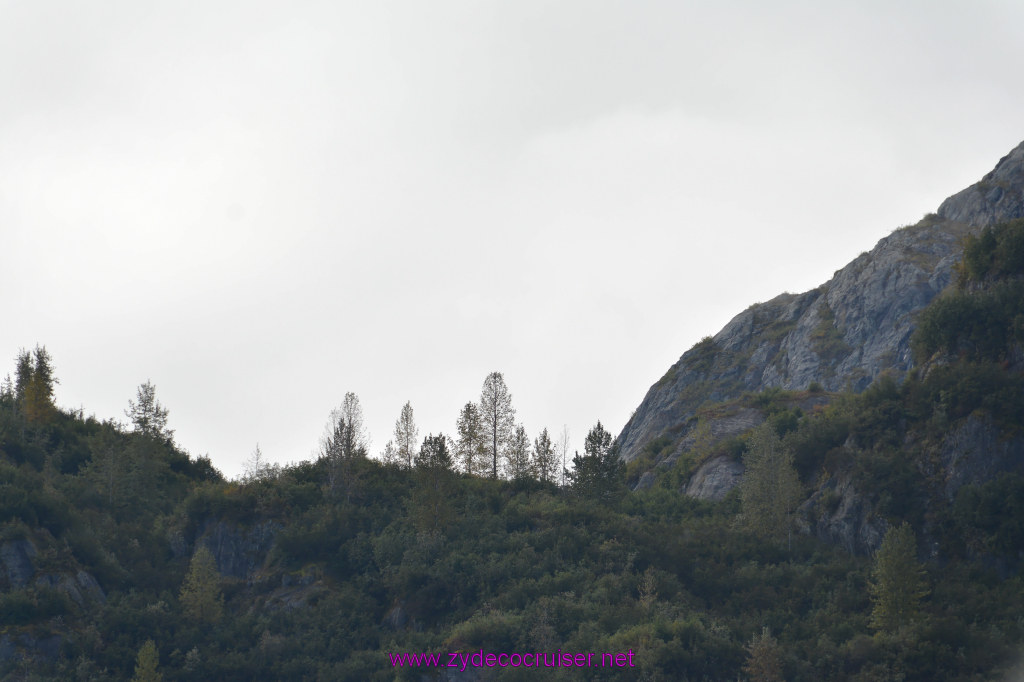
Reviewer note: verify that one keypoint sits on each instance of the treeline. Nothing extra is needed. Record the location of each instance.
(361, 557)
(488, 443)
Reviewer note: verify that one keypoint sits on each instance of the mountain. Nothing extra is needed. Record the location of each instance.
(840, 336)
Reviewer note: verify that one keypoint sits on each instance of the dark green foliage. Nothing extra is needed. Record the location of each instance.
(991, 516)
(983, 318)
(980, 325)
(599, 473)
(898, 581)
(434, 453)
(996, 253)
(429, 559)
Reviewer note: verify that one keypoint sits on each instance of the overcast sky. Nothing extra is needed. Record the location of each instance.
(259, 206)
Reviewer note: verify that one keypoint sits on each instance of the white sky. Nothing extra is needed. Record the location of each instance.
(262, 205)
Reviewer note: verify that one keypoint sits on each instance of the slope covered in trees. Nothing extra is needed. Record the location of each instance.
(123, 555)
(874, 536)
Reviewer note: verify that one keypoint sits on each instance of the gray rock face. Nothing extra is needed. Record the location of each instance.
(714, 479)
(16, 557)
(239, 550)
(976, 452)
(81, 587)
(837, 514)
(841, 335)
(998, 197)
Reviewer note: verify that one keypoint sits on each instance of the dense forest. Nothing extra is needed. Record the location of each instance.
(121, 556)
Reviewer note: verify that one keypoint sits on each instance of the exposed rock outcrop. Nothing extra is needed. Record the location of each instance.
(239, 550)
(996, 198)
(841, 335)
(976, 452)
(16, 557)
(837, 514)
(715, 478)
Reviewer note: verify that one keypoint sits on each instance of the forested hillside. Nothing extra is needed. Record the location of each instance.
(797, 535)
(123, 556)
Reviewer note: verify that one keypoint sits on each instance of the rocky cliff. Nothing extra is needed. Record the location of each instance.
(841, 335)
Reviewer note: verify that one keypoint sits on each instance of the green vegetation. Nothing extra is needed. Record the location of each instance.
(124, 555)
(770, 488)
(826, 339)
(982, 319)
(898, 581)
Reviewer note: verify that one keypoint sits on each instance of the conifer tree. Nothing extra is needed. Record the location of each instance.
(147, 664)
(406, 433)
(469, 448)
(22, 376)
(544, 465)
(431, 496)
(518, 464)
(389, 455)
(148, 415)
(898, 580)
(498, 417)
(109, 466)
(763, 662)
(435, 453)
(599, 472)
(770, 487)
(345, 436)
(201, 599)
(344, 440)
(34, 380)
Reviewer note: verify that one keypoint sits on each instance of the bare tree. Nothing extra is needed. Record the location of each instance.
(498, 416)
(257, 467)
(562, 449)
(357, 437)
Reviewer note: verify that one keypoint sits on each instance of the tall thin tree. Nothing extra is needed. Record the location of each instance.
(544, 457)
(498, 416)
(469, 448)
(406, 434)
(517, 455)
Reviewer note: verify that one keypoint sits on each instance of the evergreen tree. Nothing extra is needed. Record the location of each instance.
(898, 580)
(389, 455)
(201, 599)
(352, 438)
(406, 433)
(469, 448)
(7, 389)
(431, 496)
(147, 664)
(763, 661)
(39, 399)
(434, 453)
(23, 370)
(599, 472)
(109, 466)
(544, 464)
(34, 380)
(770, 487)
(498, 417)
(344, 440)
(517, 456)
(148, 415)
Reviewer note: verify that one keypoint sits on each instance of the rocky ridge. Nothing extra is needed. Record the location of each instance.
(841, 335)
